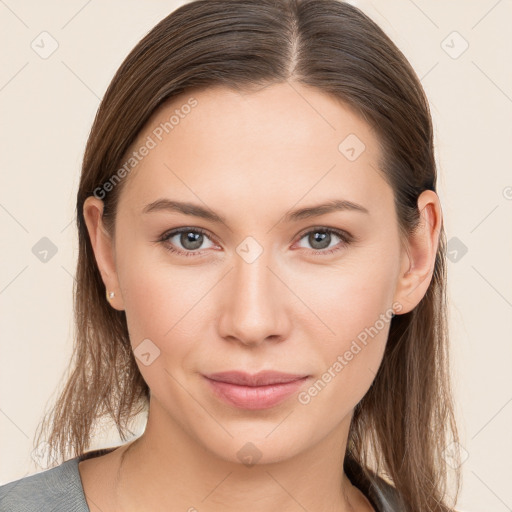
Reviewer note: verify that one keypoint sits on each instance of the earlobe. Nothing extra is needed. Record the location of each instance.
(420, 255)
(103, 248)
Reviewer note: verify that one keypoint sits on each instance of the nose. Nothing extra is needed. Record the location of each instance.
(254, 303)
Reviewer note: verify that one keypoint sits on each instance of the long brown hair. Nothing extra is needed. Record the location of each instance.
(405, 421)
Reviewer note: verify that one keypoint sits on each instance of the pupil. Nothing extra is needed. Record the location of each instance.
(191, 240)
(324, 239)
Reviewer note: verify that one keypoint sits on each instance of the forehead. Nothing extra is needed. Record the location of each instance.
(281, 143)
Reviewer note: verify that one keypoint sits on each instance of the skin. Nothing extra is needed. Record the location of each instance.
(253, 157)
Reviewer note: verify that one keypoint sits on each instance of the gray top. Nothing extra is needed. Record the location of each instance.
(60, 489)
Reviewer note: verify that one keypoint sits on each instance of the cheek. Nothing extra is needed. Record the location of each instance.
(162, 302)
(348, 296)
(349, 359)
(352, 307)
(158, 310)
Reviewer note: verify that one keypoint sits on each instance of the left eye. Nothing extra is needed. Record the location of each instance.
(321, 238)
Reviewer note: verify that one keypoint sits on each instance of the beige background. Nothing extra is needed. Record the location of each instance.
(47, 108)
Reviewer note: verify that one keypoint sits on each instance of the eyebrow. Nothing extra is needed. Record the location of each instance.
(295, 215)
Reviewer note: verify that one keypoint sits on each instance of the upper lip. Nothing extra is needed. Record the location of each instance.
(263, 378)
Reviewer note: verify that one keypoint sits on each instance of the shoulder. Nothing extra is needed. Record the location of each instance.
(383, 496)
(386, 496)
(58, 489)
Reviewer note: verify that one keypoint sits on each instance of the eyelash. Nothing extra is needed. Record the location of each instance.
(345, 237)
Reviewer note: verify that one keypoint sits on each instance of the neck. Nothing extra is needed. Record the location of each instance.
(166, 466)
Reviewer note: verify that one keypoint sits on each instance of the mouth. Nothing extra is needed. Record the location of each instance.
(258, 391)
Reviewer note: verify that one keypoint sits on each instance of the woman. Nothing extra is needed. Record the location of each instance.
(261, 268)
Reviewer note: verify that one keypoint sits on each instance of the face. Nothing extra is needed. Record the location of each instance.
(267, 281)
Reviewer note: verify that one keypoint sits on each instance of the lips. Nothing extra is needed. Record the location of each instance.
(263, 378)
(260, 391)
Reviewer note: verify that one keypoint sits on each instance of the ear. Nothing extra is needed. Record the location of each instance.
(103, 247)
(420, 254)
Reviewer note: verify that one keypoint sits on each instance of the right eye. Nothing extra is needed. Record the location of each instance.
(190, 239)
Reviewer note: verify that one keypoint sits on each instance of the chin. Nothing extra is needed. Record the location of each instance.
(256, 448)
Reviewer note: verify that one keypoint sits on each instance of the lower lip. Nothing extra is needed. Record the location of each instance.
(257, 397)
